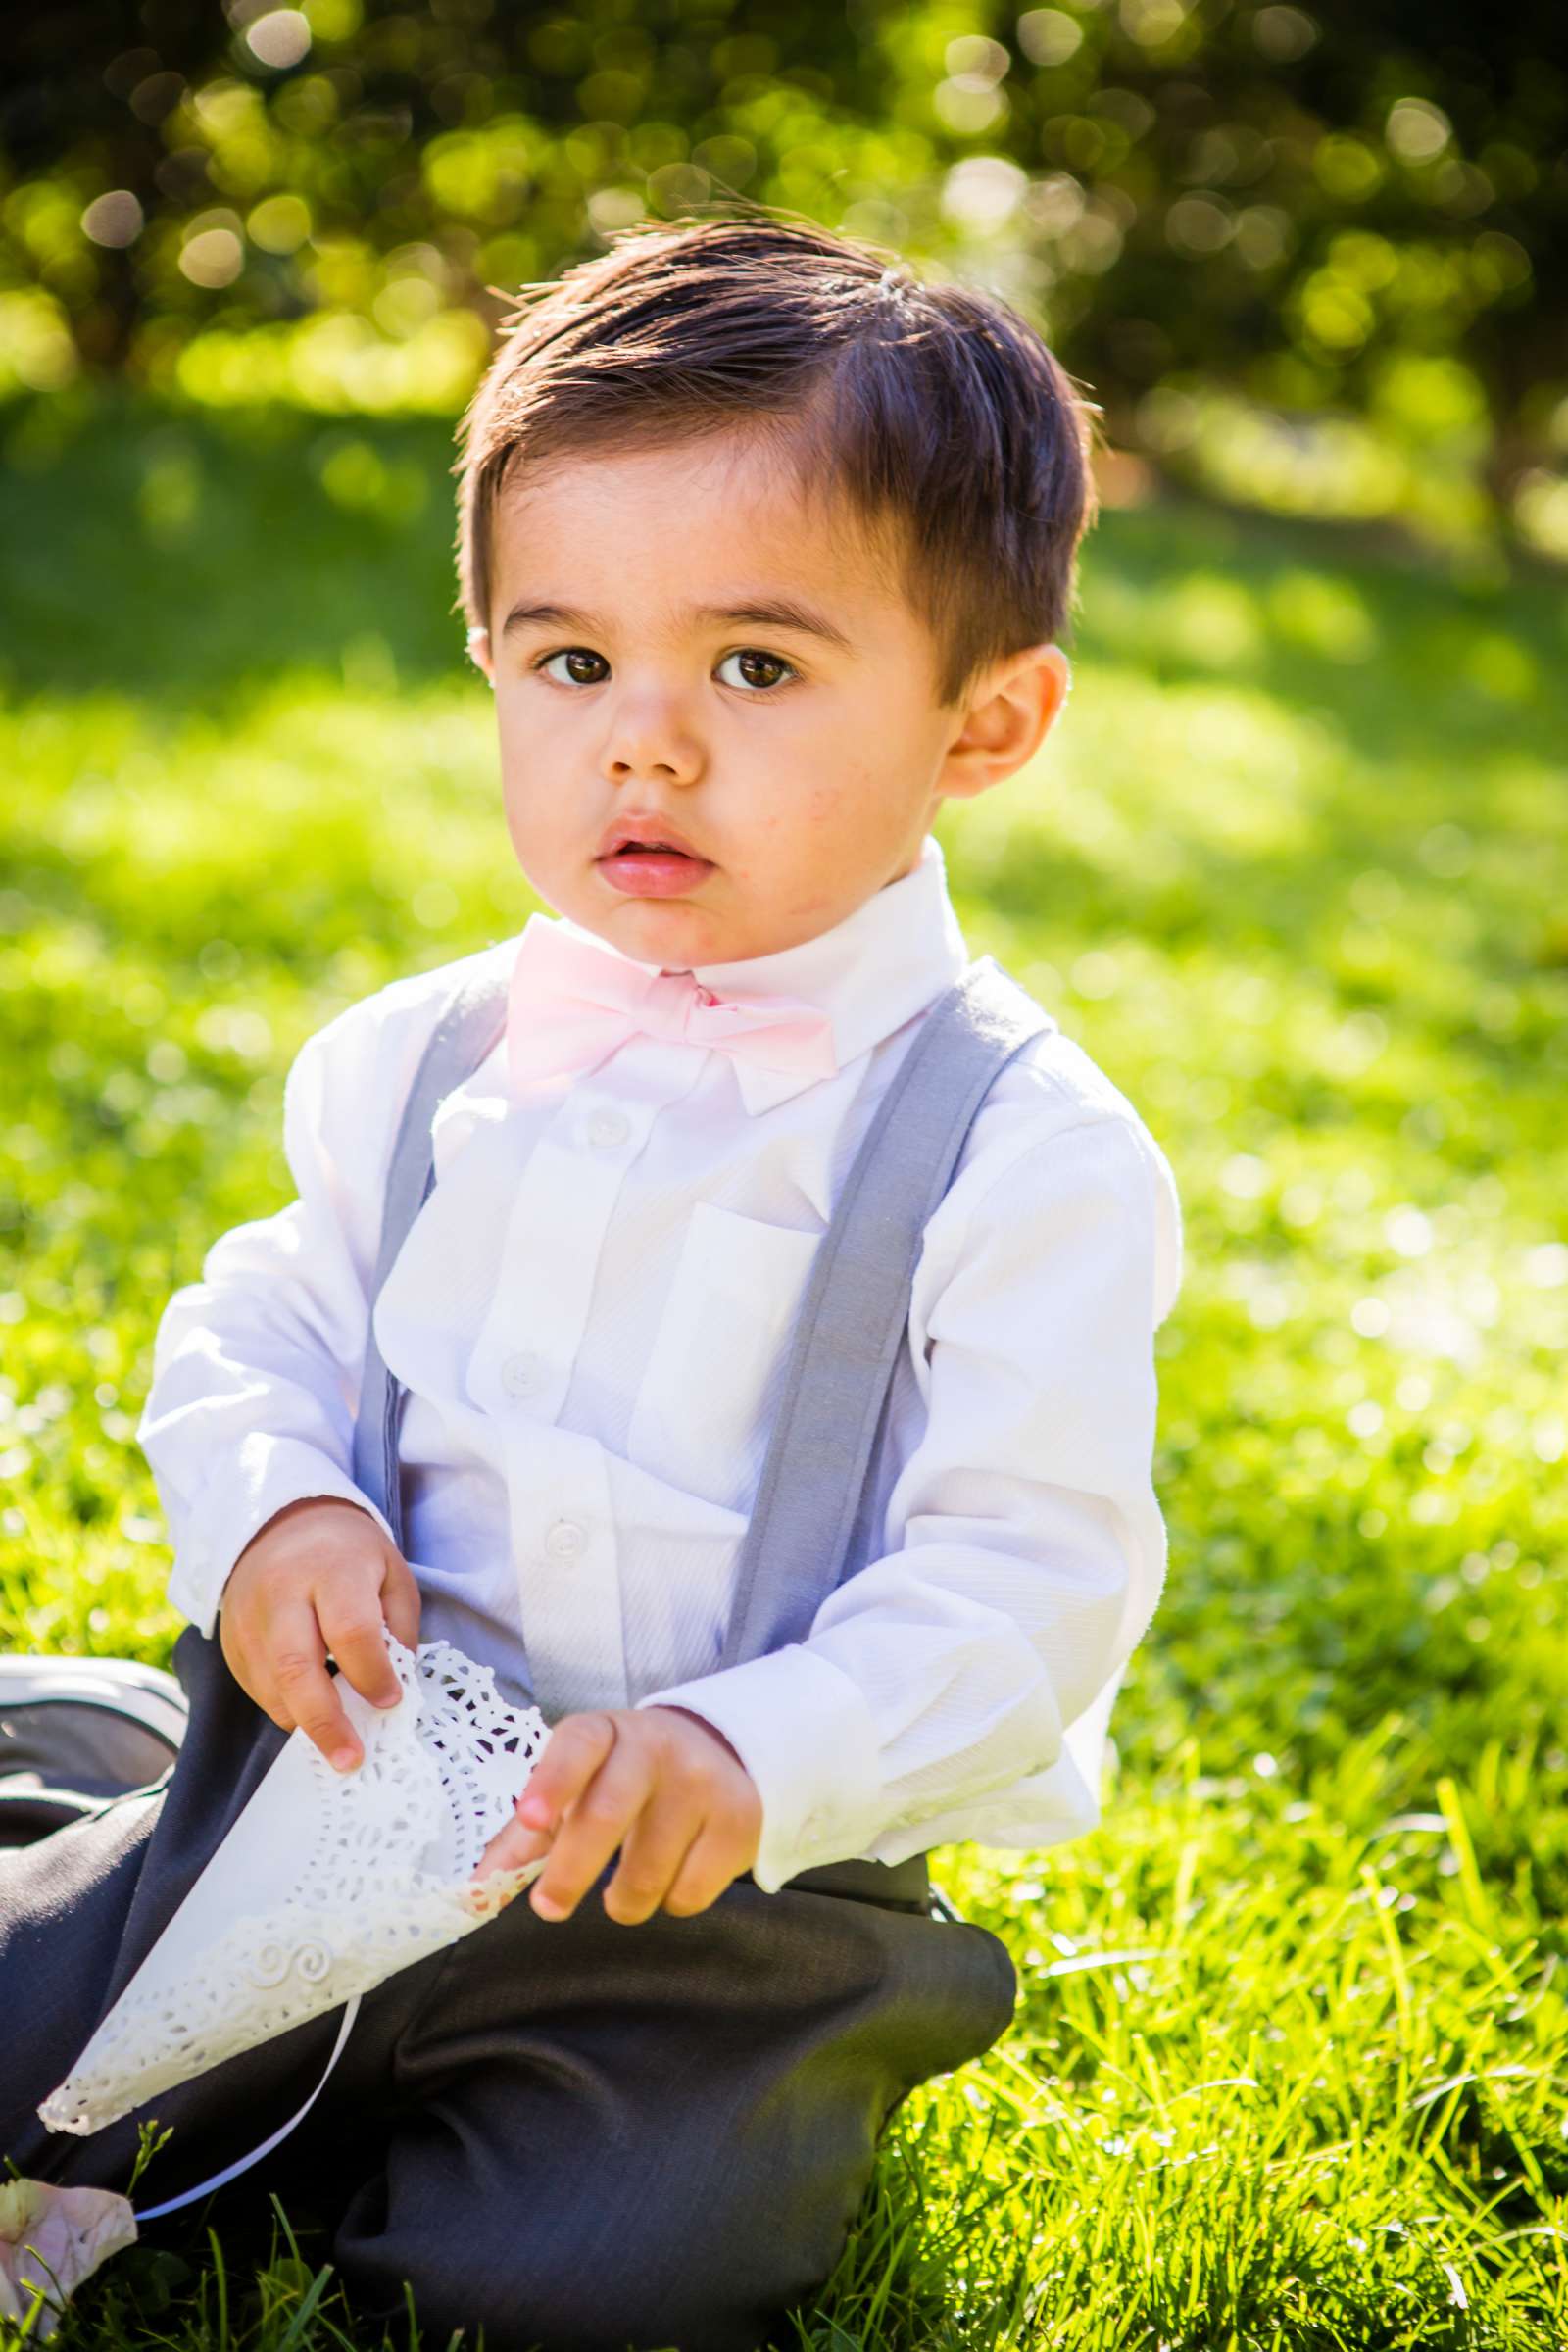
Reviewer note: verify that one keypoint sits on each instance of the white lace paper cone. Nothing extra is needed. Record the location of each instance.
(326, 1883)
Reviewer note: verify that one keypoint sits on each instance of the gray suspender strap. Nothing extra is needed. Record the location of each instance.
(809, 1522)
(471, 1026)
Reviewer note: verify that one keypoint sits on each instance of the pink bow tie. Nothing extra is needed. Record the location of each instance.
(571, 1003)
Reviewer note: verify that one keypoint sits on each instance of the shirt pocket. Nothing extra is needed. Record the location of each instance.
(707, 1400)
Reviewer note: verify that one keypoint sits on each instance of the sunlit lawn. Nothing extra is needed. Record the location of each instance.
(1288, 2066)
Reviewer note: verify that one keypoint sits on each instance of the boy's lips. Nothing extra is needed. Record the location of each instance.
(653, 873)
(644, 829)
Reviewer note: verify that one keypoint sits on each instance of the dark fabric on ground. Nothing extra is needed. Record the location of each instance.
(580, 2134)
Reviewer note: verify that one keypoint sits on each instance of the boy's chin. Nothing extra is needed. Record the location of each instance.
(673, 931)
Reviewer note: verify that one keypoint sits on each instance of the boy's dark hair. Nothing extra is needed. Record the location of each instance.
(936, 409)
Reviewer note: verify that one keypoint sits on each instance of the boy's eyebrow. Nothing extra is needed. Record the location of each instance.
(779, 612)
(546, 616)
(772, 613)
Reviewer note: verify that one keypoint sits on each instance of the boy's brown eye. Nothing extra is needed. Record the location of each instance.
(759, 669)
(583, 669)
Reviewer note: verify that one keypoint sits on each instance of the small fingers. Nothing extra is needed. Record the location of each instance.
(572, 1755)
(714, 1857)
(353, 1631)
(402, 1600)
(593, 1829)
(652, 1857)
(512, 1848)
(298, 1691)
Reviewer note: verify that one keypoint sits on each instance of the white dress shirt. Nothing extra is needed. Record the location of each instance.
(591, 1314)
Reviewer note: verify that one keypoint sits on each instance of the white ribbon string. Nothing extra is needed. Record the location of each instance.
(150, 2213)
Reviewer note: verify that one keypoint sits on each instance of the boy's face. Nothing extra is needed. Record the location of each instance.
(681, 641)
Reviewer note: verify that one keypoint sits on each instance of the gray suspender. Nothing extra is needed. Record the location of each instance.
(810, 1525)
(469, 1027)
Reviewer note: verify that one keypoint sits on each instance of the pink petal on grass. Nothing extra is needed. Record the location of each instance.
(47, 2229)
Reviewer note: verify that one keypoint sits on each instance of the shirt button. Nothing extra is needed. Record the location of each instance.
(608, 1127)
(522, 1374)
(565, 1539)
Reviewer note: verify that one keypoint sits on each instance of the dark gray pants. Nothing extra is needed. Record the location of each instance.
(578, 2133)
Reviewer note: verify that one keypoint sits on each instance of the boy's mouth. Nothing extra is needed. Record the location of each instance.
(647, 861)
(652, 872)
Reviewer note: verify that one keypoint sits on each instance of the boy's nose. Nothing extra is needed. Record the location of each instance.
(631, 771)
(653, 740)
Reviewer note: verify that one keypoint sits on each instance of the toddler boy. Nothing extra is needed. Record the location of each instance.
(765, 548)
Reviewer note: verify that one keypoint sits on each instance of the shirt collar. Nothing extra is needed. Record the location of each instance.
(871, 973)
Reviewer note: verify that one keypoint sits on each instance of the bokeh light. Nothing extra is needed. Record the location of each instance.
(1267, 222)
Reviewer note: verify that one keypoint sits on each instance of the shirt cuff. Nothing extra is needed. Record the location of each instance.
(267, 1474)
(804, 1734)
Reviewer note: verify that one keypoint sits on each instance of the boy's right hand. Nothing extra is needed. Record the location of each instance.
(317, 1579)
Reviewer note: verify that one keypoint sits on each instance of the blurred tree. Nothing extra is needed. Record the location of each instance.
(1320, 254)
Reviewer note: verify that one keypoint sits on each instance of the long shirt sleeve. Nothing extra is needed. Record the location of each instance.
(1026, 1551)
(255, 1367)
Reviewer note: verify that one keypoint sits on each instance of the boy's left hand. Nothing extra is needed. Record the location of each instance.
(659, 1782)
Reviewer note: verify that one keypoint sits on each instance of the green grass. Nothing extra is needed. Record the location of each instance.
(1288, 2068)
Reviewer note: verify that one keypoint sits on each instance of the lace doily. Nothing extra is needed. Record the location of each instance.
(362, 1873)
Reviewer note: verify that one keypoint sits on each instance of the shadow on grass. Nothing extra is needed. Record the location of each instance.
(179, 557)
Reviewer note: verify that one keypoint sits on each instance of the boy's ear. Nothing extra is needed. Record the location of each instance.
(480, 652)
(1007, 716)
